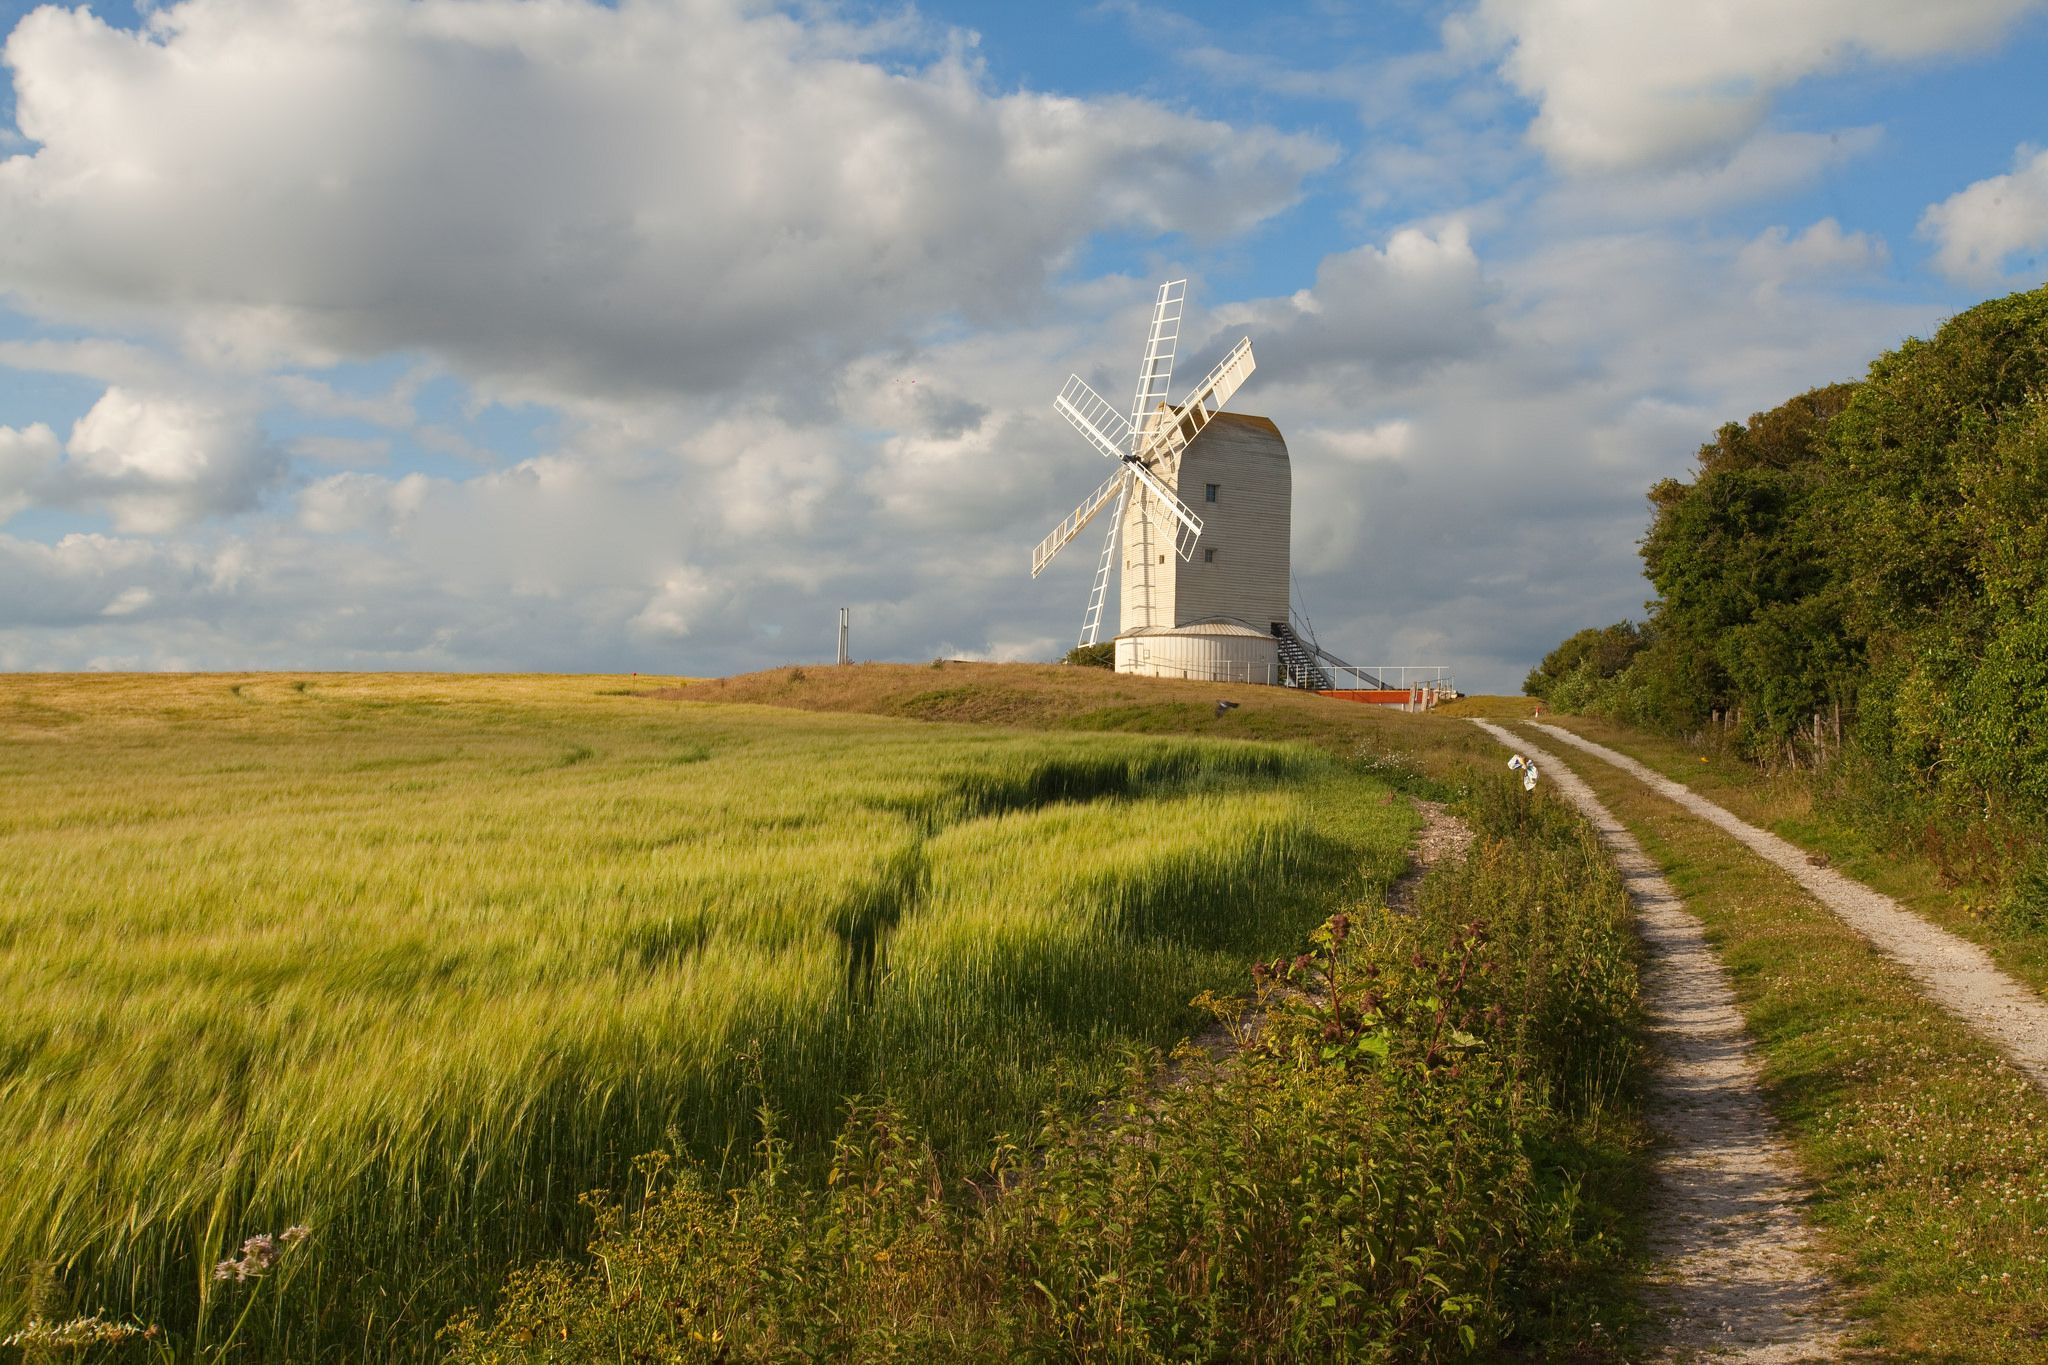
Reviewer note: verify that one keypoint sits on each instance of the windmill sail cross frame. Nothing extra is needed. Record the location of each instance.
(1190, 529)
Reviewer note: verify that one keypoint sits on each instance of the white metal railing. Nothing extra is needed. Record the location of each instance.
(1425, 684)
(1389, 677)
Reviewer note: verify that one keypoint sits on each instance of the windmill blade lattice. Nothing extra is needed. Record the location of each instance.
(1155, 372)
(1190, 524)
(1202, 405)
(1062, 534)
(1091, 619)
(1094, 418)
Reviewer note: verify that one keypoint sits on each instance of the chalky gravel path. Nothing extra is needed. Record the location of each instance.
(1955, 973)
(1736, 1274)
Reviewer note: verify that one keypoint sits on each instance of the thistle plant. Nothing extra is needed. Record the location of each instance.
(259, 1254)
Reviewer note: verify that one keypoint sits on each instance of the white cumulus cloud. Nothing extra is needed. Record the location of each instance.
(28, 456)
(1621, 85)
(1777, 257)
(569, 198)
(1388, 440)
(156, 462)
(1976, 231)
(676, 604)
(1414, 303)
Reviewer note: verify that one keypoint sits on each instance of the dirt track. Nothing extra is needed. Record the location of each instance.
(1956, 974)
(1737, 1274)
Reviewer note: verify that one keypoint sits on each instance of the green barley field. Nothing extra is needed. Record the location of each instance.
(415, 962)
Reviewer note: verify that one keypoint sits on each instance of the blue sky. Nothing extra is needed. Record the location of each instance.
(479, 334)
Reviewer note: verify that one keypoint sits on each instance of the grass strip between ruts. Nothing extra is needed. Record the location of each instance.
(1924, 1146)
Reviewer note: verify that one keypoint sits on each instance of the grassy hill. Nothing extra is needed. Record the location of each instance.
(1051, 696)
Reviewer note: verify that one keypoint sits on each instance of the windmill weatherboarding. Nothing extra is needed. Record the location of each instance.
(1222, 614)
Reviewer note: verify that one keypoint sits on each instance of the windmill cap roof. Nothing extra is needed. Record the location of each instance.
(1243, 419)
(1247, 420)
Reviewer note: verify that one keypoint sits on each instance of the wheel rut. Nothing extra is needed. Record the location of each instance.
(1955, 973)
(1737, 1275)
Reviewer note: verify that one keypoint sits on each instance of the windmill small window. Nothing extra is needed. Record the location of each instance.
(1209, 492)
(1208, 554)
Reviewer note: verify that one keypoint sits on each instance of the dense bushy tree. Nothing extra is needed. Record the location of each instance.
(1099, 655)
(1740, 562)
(1588, 658)
(1881, 547)
(1936, 512)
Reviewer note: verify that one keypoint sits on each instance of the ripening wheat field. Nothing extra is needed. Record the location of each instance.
(415, 961)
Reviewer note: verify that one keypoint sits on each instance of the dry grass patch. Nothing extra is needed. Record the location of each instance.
(1052, 697)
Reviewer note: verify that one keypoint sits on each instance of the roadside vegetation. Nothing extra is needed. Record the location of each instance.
(333, 998)
(1874, 555)
(1425, 1148)
(1802, 806)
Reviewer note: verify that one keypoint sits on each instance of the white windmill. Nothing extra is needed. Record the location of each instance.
(1224, 615)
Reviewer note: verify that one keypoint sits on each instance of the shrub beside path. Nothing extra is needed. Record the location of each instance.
(1737, 1274)
(1956, 974)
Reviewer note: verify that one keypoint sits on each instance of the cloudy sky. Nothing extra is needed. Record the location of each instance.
(560, 335)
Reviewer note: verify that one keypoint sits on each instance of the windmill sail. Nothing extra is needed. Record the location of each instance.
(1091, 620)
(1094, 418)
(1065, 532)
(1190, 525)
(1155, 371)
(1165, 442)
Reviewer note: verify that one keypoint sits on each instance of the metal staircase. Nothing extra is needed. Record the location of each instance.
(1299, 664)
(1306, 664)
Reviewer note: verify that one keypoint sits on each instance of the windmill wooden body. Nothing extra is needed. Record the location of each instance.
(1200, 521)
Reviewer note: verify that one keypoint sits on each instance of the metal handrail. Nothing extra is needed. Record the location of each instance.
(1428, 682)
(1394, 677)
